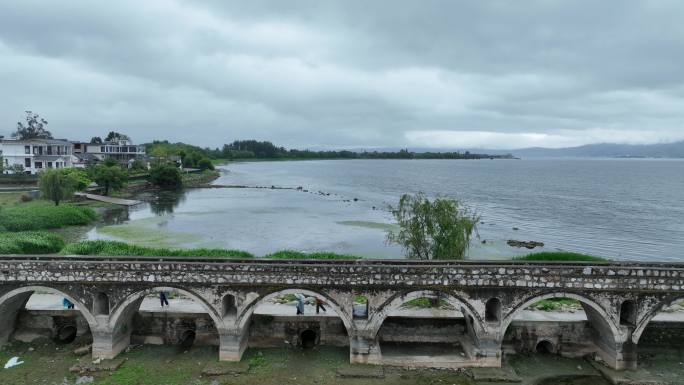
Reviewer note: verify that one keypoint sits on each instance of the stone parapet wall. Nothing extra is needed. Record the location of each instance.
(394, 274)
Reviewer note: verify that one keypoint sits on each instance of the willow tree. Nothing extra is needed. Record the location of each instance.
(56, 185)
(438, 229)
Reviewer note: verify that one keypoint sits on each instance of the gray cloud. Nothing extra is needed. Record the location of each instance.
(349, 73)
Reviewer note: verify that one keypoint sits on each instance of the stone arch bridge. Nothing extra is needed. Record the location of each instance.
(619, 298)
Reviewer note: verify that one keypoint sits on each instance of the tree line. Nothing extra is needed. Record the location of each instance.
(254, 149)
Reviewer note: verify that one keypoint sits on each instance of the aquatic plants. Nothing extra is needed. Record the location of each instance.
(114, 248)
(41, 215)
(30, 242)
(290, 254)
(560, 256)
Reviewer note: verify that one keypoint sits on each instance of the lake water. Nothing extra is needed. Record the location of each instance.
(623, 209)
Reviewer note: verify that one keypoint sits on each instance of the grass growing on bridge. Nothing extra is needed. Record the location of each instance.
(30, 242)
(560, 256)
(41, 215)
(114, 248)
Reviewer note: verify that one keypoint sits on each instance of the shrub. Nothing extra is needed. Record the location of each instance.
(289, 254)
(205, 164)
(31, 242)
(166, 175)
(43, 215)
(560, 256)
(26, 198)
(114, 248)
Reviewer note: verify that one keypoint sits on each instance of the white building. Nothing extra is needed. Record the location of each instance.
(36, 155)
(123, 150)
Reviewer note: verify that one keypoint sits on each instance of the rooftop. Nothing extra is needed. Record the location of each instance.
(41, 141)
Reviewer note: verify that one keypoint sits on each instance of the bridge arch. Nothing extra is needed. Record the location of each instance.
(396, 301)
(125, 309)
(603, 317)
(643, 321)
(586, 302)
(14, 300)
(246, 312)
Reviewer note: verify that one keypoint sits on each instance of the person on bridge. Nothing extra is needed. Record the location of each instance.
(67, 304)
(319, 305)
(162, 299)
(300, 303)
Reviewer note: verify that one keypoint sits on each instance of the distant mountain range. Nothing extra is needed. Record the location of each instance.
(602, 150)
(599, 150)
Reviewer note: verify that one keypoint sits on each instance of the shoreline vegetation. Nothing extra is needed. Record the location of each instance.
(253, 150)
(117, 248)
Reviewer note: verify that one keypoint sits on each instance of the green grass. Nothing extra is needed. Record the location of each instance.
(114, 248)
(10, 198)
(289, 254)
(553, 304)
(41, 215)
(30, 242)
(360, 299)
(560, 256)
(427, 303)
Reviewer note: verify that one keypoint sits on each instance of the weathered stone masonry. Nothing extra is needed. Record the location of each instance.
(619, 298)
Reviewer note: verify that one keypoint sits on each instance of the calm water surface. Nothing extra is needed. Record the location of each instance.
(623, 209)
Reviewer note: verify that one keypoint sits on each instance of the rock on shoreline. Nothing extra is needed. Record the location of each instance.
(526, 244)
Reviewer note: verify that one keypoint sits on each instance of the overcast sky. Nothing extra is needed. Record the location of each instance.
(461, 74)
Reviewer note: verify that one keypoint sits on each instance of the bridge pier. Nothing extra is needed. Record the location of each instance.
(232, 345)
(107, 345)
(364, 350)
(486, 352)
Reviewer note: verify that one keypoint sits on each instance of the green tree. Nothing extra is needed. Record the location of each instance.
(192, 159)
(113, 135)
(108, 177)
(110, 162)
(138, 166)
(35, 128)
(438, 229)
(205, 164)
(166, 175)
(56, 185)
(96, 140)
(80, 176)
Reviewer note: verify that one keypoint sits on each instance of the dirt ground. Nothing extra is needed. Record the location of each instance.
(48, 364)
